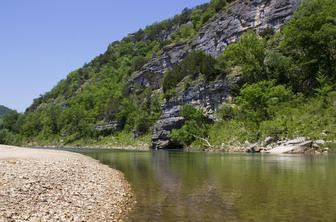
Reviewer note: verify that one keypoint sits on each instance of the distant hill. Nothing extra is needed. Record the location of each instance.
(4, 110)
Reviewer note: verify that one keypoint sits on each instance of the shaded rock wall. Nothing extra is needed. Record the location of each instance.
(151, 74)
(204, 95)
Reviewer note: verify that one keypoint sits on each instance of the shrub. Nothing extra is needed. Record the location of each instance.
(258, 102)
(138, 62)
(290, 116)
(9, 121)
(218, 5)
(195, 127)
(226, 112)
(310, 40)
(248, 54)
(193, 65)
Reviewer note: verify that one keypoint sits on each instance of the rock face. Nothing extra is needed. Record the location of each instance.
(205, 96)
(219, 32)
(224, 29)
(243, 15)
(151, 74)
(162, 131)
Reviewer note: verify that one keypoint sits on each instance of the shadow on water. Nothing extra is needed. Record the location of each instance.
(182, 186)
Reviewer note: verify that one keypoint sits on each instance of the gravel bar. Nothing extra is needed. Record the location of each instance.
(47, 185)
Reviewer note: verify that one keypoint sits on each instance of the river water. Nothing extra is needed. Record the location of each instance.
(184, 186)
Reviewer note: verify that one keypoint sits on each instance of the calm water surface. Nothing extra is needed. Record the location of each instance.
(180, 186)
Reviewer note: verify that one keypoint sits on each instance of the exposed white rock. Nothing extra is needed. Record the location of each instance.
(298, 145)
(296, 141)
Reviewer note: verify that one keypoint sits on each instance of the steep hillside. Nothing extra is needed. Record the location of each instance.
(178, 82)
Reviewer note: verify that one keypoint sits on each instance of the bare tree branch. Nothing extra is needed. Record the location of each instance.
(204, 140)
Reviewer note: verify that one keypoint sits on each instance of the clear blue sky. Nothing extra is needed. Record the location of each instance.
(41, 41)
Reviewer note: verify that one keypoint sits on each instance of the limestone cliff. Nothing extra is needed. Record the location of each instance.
(222, 30)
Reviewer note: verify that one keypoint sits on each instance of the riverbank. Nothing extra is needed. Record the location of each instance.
(299, 145)
(127, 143)
(98, 147)
(305, 147)
(45, 185)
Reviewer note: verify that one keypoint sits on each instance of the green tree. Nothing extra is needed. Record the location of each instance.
(257, 102)
(196, 126)
(325, 87)
(195, 64)
(31, 125)
(196, 18)
(310, 40)
(185, 33)
(9, 121)
(76, 123)
(279, 67)
(138, 62)
(247, 56)
(218, 5)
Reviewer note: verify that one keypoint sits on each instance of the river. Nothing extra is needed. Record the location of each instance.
(187, 186)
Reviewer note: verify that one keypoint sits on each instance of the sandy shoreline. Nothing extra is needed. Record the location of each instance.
(45, 185)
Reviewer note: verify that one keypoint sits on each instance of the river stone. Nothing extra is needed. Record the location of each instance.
(253, 148)
(296, 141)
(268, 141)
(292, 147)
(320, 142)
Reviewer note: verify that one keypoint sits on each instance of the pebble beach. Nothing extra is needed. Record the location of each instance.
(48, 185)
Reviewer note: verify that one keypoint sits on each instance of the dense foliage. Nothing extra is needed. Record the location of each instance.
(309, 41)
(245, 58)
(195, 127)
(313, 117)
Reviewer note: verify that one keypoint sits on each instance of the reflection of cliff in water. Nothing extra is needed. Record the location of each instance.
(187, 190)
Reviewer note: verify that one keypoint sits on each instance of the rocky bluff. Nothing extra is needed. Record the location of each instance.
(219, 32)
